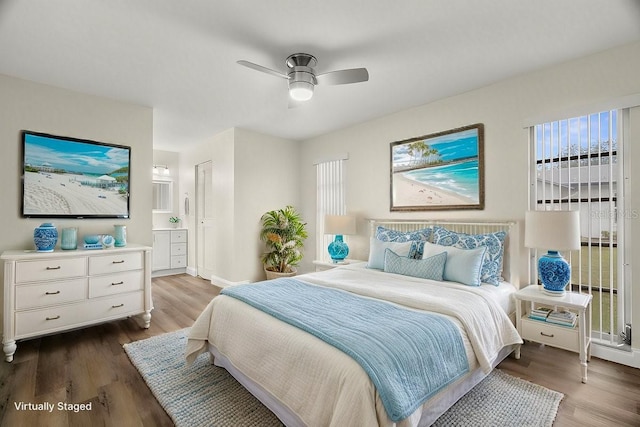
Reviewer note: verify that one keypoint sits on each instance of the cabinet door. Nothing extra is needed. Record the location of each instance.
(161, 250)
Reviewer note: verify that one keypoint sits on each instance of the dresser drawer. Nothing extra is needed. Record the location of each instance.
(50, 269)
(50, 293)
(107, 264)
(545, 333)
(116, 283)
(116, 306)
(45, 320)
(179, 236)
(178, 261)
(178, 249)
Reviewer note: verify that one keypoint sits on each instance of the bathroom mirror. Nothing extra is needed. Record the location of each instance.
(162, 196)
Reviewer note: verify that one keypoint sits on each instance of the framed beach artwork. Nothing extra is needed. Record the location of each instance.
(444, 170)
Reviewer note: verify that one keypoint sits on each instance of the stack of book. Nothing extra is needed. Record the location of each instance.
(563, 318)
(545, 314)
(93, 245)
(540, 313)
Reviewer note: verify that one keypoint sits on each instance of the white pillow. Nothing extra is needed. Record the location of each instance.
(377, 248)
(463, 265)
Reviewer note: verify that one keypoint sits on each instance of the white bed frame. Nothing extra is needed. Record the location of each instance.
(443, 401)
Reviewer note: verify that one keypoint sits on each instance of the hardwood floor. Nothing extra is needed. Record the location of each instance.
(90, 366)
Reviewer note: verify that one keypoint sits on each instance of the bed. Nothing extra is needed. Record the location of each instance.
(307, 376)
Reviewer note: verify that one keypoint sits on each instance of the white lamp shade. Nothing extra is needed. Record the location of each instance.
(339, 224)
(552, 230)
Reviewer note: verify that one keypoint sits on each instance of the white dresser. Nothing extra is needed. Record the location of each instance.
(49, 292)
(169, 251)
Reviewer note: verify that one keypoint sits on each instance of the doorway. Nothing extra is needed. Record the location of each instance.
(205, 259)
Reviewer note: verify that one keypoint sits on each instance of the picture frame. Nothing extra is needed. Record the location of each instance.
(439, 171)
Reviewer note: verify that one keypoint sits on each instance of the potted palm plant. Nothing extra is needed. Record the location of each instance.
(283, 232)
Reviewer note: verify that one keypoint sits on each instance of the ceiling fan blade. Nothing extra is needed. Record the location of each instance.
(263, 69)
(341, 77)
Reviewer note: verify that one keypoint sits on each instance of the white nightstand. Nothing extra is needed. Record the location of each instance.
(327, 265)
(577, 339)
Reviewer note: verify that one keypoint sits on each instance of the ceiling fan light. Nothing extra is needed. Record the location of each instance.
(300, 91)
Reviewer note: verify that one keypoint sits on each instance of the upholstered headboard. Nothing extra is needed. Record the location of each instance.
(511, 251)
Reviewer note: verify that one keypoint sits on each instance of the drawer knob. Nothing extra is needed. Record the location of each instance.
(117, 283)
(53, 268)
(53, 318)
(546, 335)
(117, 306)
(52, 293)
(118, 262)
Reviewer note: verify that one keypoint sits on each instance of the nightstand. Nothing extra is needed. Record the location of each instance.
(327, 265)
(576, 339)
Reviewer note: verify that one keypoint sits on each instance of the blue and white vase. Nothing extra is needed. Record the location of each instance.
(45, 237)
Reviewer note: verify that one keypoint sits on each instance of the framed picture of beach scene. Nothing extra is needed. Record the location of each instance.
(444, 170)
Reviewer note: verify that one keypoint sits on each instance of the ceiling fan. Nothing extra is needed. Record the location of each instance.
(302, 76)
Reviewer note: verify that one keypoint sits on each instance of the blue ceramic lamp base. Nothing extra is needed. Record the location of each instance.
(554, 272)
(338, 249)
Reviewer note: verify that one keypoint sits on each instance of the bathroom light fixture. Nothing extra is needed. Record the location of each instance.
(157, 171)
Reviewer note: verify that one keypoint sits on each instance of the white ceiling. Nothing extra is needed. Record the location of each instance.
(179, 57)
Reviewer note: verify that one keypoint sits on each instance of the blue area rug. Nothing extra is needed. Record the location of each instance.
(206, 395)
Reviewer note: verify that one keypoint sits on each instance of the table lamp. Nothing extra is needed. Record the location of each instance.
(339, 225)
(554, 231)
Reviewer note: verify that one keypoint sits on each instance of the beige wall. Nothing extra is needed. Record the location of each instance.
(252, 173)
(505, 108)
(32, 106)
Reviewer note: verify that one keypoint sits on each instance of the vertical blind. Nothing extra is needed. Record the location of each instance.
(330, 193)
(576, 165)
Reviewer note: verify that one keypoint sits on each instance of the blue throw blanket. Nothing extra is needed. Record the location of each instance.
(409, 355)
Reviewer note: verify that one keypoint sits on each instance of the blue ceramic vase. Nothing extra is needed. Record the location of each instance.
(45, 237)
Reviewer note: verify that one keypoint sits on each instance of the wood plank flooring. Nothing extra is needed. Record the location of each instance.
(90, 366)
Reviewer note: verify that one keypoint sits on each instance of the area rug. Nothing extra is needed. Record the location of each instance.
(205, 395)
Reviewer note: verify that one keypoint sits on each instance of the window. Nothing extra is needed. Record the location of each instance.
(330, 193)
(577, 165)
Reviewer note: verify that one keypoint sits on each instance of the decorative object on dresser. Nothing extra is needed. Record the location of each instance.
(169, 251)
(56, 291)
(559, 321)
(45, 237)
(284, 233)
(555, 231)
(108, 241)
(120, 235)
(339, 225)
(175, 221)
(69, 239)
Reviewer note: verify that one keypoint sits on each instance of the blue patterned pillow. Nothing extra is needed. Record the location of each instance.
(463, 265)
(388, 235)
(492, 263)
(428, 268)
(377, 249)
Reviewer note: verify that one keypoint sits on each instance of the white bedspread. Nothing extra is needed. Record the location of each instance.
(317, 382)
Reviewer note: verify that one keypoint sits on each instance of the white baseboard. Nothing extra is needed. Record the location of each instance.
(223, 283)
(612, 354)
(191, 271)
